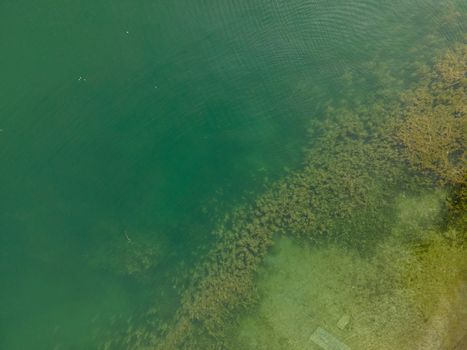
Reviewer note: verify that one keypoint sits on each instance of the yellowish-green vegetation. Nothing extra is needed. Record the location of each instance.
(416, 214)
(407, 296)
(366, 246)
(434, 127)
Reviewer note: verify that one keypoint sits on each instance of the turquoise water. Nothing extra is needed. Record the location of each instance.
(141, 124)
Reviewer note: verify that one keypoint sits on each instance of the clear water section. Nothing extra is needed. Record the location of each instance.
(129, 130)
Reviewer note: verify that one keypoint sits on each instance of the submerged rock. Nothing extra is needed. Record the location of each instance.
(327, 341)
(343, 321)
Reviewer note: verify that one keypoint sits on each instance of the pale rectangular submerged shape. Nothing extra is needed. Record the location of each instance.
(327, 341)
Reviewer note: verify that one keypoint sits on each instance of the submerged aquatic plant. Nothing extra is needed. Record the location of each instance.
(434, 127)
(346, 191)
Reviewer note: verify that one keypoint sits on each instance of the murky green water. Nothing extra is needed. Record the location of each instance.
(128, 129)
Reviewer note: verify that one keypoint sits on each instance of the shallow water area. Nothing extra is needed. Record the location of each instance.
(405, 296)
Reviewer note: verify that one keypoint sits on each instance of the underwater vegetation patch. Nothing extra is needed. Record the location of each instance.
(377, 196)
(434, 125)
(406, 296)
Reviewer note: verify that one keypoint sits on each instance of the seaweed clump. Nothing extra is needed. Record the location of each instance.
(434, 128)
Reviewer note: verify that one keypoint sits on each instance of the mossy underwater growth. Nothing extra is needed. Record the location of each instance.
(434, 126)
(407, 296)
(351, 196)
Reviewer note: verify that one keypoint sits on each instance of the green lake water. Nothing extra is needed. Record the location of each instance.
(130, 123)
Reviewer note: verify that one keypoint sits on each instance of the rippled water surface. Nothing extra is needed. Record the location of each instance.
(140, 124)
